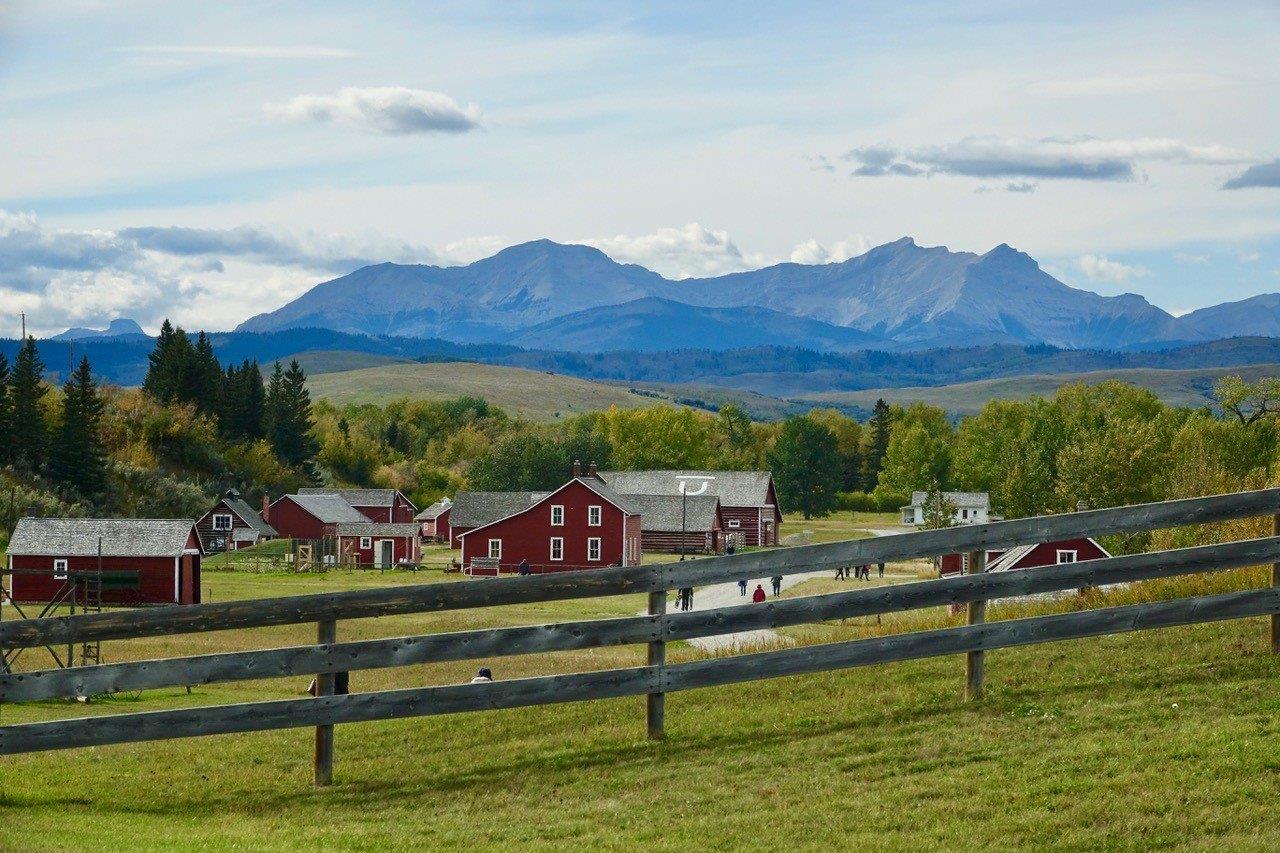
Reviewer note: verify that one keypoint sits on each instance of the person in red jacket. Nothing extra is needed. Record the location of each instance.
(759, 595)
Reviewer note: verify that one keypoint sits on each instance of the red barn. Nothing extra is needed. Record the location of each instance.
(1030, 556)
(477, 509)
(748, 500)
(581, 525)
(388, 506)
(232, 524)
(143, 560)
(380, 545)
(435, 520)
(311, 516)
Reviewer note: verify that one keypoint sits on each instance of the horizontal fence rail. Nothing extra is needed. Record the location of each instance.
(497, 642)
(634, 579)
(542, 690)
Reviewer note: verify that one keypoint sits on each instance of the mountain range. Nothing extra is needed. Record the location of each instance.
(901, 295)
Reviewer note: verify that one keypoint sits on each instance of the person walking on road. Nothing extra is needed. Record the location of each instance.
(880, 566)
(742, 587)
(758, 596)
(777, 585)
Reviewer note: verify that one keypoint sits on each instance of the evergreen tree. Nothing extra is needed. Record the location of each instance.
(881, 425)
(289, 410)
(30, 432)
(205, 379)
(6, 413)
(77, 458)
(806, 465)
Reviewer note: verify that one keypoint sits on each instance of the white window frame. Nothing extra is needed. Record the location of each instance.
(366, 542)
(595, 515)
(557, 515)
(593, 545)
(735, 523)
(556, 549)
(60, 570)
(964, 563)
(219, 516)
(1075, 556)
(495, 553)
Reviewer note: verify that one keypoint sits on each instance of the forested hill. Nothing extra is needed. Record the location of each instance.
(778, 371)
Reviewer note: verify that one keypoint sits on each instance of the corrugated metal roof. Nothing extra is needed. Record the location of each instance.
(121, 537)
(328, 508)
(734, 488)
(663, 513)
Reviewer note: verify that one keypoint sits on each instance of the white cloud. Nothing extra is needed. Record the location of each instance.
(813, 252)
(1099, 268)
(1184, 258)
(243, 51)
(1083, 158)
(1251, 258)
(394, 110)
(688, 252)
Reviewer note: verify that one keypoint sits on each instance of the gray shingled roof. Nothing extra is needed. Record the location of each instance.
(734, 488)
(433, 512)
(476, 509)
(376, 528)
(238, 505)
(328, 508)
(121, 537)
(357, 497)
(962, 500)
(602, 489)
(662, 513)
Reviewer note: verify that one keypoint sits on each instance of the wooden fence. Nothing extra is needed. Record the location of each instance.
(656, 678)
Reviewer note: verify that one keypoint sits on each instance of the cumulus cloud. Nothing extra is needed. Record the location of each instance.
(688, 252)
(1099, 268)
(1257, 175)
(1185, 258)
(813, 252)
(1082, 158)
(393, 110)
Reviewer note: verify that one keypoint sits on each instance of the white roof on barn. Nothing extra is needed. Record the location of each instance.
(121, 537)
(733, 488)
(962, 500)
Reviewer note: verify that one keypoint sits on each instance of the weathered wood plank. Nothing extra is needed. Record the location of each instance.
(488, 643)
(322, 765)
(1275, 582)
(974, 662)
(291, 713)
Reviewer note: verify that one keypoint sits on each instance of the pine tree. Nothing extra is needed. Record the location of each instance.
(205, 379)
(77, 458)
(6, 413)
(289, 410)
(873, 459)
(30, 432)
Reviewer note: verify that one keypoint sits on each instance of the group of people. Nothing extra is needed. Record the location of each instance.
(759, 595)
(860, 573)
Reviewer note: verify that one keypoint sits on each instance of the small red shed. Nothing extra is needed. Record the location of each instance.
(388, 506)
(435, 520)
(380, 545)
(1030, 556)
(583, 524)
(143, 560)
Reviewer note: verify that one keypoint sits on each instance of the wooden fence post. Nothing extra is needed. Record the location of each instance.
(1275, 581)
(973, 662)
(326, 633)
(655, 703)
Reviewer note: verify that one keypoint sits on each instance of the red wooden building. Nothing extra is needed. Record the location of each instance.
(1030, 556)
(376, 544)
(142, 560)
(434, 520)
(388, 506)
(232, 524)
(311, 516)
(748, 500)
(581, 525)
(689, 525)
(477, 509)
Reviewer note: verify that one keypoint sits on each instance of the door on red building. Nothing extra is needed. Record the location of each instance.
(386, 553)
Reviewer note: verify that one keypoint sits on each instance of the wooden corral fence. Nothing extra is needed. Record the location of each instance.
(656, 678)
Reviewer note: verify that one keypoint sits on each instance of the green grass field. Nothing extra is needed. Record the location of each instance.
(529, 393)
(1166, 739)
(1174, 387)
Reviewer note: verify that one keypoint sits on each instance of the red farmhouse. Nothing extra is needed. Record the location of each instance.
(232, 524)
(477, 509)
(381, 545)
(1030, 556)
(748, 500)
(311, 516)
(583, 524)
(388, 506)
(435, 520)
(143, 561)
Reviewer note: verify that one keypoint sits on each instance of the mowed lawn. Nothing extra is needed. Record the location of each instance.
(1152, 739)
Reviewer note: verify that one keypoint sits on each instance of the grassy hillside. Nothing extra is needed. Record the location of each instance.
(1152, 739)
(336, 361)
(1174, 387)
(531, 394)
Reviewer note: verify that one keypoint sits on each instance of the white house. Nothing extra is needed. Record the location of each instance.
(971, 507)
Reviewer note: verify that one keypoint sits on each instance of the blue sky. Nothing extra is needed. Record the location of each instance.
(211, 161)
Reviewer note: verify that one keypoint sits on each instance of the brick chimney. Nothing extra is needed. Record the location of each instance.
(591, 470)
(266, 507)
(577, 469)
